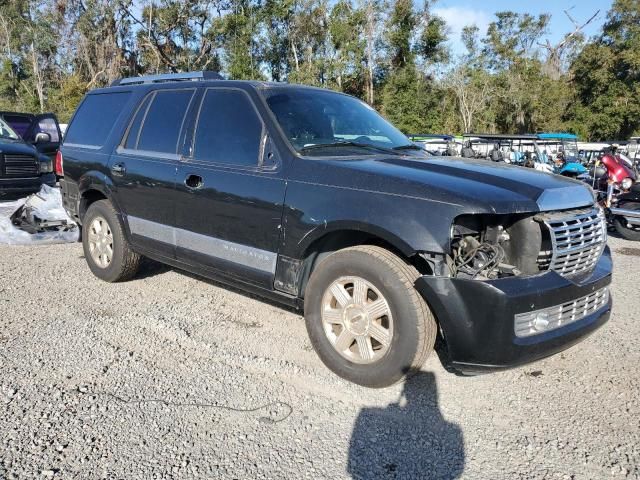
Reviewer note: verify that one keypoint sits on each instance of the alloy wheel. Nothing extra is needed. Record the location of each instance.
(357, 320)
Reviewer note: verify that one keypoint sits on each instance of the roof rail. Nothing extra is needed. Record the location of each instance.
(168, 77)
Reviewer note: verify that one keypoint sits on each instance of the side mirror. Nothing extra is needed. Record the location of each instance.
(43, 138)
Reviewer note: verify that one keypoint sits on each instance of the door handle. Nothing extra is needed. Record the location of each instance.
(194, 182)
(119, 169)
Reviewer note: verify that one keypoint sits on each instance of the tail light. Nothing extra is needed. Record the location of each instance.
(59, 168)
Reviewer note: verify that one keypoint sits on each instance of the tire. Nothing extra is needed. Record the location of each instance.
(621, 225)
(124, 262)
(407, 332)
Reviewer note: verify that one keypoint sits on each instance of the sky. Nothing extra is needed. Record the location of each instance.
(458, 13)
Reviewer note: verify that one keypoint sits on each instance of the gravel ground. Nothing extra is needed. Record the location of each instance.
(170, 376)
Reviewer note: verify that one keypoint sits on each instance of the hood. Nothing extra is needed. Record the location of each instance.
(8, 145)
(477, 185)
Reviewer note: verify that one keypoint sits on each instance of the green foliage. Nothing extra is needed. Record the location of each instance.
(607, 77)
(391, 53)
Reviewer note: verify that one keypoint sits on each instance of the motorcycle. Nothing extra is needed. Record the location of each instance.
(619, 194)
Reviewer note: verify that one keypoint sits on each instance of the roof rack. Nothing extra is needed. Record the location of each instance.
(500, 136)
(168, 77)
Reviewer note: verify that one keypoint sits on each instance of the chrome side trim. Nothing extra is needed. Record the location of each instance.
(153, 230)
(213, 247)
(147, 154)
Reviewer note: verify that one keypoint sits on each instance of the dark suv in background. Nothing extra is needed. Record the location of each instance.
(310, 198)
(28, 145)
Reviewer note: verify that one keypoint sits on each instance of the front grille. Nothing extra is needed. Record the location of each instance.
(17, 165)
(576, 240)
(539, 321)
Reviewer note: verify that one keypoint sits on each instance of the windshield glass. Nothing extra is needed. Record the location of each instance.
(321, 123)
(571, 150)
(6, 131)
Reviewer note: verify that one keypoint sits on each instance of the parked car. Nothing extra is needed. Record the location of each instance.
(312, 199)
(23, 169)
(29, 125)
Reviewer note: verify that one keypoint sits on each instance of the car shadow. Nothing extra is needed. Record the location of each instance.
(151, 268)
(408, 438)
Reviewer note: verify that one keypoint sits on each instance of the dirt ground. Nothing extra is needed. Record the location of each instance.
(172, 376)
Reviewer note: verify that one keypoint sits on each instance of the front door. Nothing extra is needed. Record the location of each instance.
(231, 191)
(143, 169)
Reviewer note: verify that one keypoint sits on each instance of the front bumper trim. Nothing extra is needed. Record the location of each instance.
(477, 317)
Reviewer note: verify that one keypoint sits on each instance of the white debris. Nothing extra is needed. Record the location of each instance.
(45, 205)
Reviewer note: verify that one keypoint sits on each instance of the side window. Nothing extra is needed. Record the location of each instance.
(136, 123)
(229, 129)
(48, 125)
(163, 122)
(19, 123)
(95, 118)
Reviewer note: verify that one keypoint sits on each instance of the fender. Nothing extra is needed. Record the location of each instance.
(98, 181)
(573, 167)
(631, 196)
(322, 230)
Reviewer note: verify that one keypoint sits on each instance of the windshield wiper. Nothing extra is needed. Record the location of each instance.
(316, 146)
(408, 146)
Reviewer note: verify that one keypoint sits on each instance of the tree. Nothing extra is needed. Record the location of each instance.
(346, 31)
(469, 80)
(607, 77)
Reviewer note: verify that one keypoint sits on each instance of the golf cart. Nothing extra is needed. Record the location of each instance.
(440, 145)
(560, 150)
(515, 149)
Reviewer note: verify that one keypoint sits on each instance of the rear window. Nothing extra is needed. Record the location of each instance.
(162, 123)
(95, 118)
(48, 125)
(19, 123)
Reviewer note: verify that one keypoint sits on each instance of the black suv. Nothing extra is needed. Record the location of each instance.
(28, 144)
(309, 197)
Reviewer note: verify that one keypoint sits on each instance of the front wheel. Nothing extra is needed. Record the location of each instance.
(365, 319)
(625, 229)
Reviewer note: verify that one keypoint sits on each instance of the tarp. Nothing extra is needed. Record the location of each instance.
(45, 205)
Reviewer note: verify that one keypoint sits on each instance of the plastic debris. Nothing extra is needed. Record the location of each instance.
(38, 219)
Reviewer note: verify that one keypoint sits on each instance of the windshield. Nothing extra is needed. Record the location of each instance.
(321, 123)
(6, 131)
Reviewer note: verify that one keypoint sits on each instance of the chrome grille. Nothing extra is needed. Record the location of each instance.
(539, 321)
(577, 239)
(17, 165)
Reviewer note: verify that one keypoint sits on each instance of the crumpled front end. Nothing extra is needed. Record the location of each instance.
(503, 323)
(517, 289)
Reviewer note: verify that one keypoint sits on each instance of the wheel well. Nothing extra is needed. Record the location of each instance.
(334, 241)
(89, 197)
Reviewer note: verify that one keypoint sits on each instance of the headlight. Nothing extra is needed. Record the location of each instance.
(626, 183)
(46, 167)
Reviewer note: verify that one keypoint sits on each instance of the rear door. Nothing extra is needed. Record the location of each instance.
(45, 123)
(230, 190)
(143, 168)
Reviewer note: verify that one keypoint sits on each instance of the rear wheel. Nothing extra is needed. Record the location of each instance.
(106, 248)
(365, 319)
(627, 230)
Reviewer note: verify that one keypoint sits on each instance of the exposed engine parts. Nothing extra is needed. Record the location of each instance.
(488, 247)
(472, 258)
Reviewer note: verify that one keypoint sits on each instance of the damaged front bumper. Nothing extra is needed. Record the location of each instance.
(478, 318)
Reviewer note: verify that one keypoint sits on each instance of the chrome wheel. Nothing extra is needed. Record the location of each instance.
(100, 242)
(357, 320)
